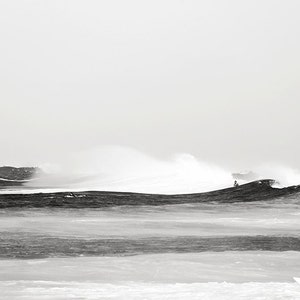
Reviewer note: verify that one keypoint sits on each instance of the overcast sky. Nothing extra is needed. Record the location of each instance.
(217, 79)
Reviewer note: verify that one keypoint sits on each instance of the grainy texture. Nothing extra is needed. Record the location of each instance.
(254, 191)
(32, 246)
(11, 176)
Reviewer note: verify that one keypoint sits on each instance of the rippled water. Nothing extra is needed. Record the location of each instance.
(163, 274)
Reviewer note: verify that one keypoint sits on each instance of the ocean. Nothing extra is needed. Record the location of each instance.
(241, 243)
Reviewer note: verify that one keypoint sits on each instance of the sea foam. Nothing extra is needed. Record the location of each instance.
(116, 168)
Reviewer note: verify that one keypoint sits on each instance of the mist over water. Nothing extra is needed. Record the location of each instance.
(199, 250)
(215, 81)
(285, 176)
(117, 168)
(124, 169)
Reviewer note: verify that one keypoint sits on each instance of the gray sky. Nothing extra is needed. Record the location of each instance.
(217, 79)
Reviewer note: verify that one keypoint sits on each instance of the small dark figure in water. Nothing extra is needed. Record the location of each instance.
(235, 183)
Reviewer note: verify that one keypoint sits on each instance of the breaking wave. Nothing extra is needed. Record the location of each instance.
(125, 169)
(115, 168)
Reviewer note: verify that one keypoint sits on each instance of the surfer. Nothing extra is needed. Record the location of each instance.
(235, 184)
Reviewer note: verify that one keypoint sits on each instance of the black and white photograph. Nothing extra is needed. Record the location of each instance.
(149, 150)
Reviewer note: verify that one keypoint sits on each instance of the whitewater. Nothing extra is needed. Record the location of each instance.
(63, 237)
(221, 275)
(124, 169)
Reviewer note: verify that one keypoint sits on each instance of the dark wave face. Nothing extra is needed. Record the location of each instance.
(251, 217)
(256, 191)
(33, 246)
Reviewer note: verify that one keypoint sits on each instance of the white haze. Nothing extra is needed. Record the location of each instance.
(116, 168)
(217, 79)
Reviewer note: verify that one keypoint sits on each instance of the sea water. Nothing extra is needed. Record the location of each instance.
(171, 275)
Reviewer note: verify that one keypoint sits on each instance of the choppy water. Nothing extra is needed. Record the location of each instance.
(185, 251)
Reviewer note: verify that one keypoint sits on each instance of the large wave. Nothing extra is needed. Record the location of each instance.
(125, 169)
(116, 168)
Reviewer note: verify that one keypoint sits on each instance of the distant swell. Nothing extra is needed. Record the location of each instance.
(254, 191)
